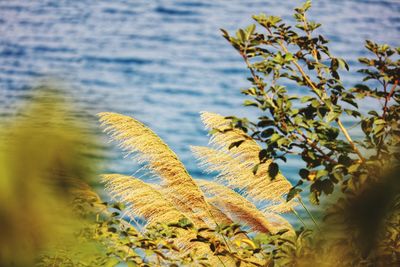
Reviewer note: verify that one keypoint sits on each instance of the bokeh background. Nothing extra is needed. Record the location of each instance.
(160, 61)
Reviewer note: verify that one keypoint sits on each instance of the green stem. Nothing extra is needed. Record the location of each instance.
(225, 241)
(223, 237)
(298, 217)
(309, 213)
(221, 261)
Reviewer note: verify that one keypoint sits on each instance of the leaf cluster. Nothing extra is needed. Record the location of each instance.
(286, 60)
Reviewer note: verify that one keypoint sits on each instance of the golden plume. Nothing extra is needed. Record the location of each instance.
(141, 199)
(239, 208)
(219, 215)
(239, 175)
(231, 170)
(225, 135)
(147, 201)
(134, 137)
(235, 164)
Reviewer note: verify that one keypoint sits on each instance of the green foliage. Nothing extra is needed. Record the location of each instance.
(359, 229)
(156, 246)
(283, 59)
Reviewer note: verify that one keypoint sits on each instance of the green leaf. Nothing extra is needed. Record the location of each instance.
(265, 123)
(263, 155)
(313, 197)
(315, 103)
(366, 126)
(304, 173)
(275, 137)
(235, 144)
(131, 264)
(321, 173)
(353, 168)
(379, 122)
(334, 64)
(294, 191)
(250, 103)
(267, 133)
(241, 35)
(288, 57)
(250, 30)
(306, 98)
(224, 33)
(282, 141)
(378, 130)
(345, 160)
(353, 113)
(332, 115)
(327, 186)
(255, 168)
(343, 64)
(306, 5)
(273, 170)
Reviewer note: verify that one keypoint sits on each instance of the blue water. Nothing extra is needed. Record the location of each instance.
(161, 61)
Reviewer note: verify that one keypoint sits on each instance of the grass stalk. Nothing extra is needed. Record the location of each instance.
(299, 217)
(309, 213)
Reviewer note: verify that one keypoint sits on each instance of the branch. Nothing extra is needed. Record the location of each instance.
(385, 108)
(387, 98)
(315, 89)
(314, 146)
(261, 87)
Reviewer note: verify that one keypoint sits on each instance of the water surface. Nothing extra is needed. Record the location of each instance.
(161, 61)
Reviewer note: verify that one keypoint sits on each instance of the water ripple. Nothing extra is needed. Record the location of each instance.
(161, 61)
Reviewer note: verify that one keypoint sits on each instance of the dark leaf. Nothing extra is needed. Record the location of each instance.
(304, 173)
(273, 170)
(236, 144)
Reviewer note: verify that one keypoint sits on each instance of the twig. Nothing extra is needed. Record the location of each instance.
(315, 89)
(387, 98)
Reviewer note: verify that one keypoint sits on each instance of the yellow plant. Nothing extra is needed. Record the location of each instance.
(142, 199)
(179, 195)
(241, 210)
(236, 164)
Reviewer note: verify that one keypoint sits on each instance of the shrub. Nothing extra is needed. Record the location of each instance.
(282, 57)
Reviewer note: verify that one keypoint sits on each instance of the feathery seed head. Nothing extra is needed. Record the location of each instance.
(135, 138)
(141, 198)
(235, 165)
(238, 207)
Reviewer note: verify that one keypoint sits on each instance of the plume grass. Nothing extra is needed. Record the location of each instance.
(239, 208)
(135, 138)
(236, 164)
(141, 199)
(180, 196)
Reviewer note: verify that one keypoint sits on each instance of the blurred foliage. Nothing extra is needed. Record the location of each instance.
(44, 170)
